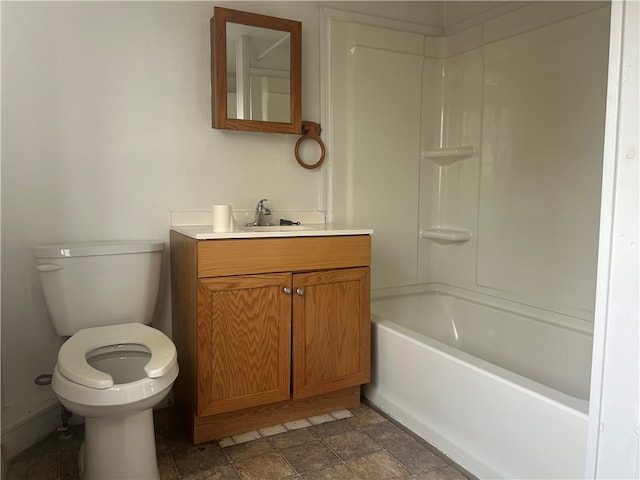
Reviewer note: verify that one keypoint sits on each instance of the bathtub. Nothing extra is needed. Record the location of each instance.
(500, 388)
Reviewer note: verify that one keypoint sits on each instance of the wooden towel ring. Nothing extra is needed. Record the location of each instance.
(310, 131)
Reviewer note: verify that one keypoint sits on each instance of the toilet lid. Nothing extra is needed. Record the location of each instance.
(72, 361)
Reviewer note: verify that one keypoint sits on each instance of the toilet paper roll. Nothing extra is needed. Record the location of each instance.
(222, 218)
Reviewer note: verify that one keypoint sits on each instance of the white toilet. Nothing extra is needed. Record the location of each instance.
(114, 368)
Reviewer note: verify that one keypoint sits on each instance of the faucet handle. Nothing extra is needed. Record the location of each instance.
(261, 208)
(261, 212)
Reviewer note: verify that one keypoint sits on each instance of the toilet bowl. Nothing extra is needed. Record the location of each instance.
(107, 370)
(113, 376)
(113, 368)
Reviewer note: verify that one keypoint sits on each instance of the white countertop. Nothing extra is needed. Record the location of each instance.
(198, 225)
(203, 232)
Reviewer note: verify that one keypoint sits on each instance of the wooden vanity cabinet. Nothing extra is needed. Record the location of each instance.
(268, 330)
(244, 325)
(331, 328)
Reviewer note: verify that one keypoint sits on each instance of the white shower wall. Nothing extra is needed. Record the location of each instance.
(449, 184)
(370, 168)
(532, 107)
(500, 195)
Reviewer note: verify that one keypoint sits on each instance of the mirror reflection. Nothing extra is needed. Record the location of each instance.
(258, 73)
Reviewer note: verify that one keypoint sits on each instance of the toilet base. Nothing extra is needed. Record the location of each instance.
(119, 448)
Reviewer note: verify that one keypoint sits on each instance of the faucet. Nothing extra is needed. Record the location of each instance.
(261, 212)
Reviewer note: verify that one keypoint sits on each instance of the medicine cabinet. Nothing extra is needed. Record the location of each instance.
(256, 72)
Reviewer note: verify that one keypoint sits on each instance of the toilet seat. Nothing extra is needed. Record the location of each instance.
(72, 362)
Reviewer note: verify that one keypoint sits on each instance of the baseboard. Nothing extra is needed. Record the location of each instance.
(29, 431)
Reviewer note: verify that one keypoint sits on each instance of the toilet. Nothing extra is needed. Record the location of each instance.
(114, 368)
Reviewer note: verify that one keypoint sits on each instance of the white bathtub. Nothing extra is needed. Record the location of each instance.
(513, 404)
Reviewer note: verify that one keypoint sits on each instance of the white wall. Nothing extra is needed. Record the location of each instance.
(106, 129)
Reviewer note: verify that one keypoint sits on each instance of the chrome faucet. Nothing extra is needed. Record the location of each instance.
(261, 212)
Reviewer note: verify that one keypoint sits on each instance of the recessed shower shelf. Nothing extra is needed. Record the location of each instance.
(446, 235)
(447, 155)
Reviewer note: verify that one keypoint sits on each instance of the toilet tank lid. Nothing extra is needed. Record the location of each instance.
(88, 249)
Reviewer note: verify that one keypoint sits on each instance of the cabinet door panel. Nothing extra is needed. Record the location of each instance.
(243, 342)
(331, 330)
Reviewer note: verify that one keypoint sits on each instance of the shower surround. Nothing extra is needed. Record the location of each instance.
(476, 157)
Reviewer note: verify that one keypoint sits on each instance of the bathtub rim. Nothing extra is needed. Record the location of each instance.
(576, 324)
(573, 405)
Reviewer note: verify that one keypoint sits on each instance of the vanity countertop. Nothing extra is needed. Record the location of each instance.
(204, 232)
(198, 225)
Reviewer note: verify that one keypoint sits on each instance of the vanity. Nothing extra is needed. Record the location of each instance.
(271, 325)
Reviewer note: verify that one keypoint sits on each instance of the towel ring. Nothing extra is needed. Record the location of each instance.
(310, 131)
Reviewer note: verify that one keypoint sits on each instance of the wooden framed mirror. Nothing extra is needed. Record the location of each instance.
(256, 72)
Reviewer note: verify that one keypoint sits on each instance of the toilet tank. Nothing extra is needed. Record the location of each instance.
(95, 284)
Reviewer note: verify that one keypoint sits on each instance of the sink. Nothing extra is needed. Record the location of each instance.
(274, 228)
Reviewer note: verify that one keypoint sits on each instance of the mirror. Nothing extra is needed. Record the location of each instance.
(256, 72)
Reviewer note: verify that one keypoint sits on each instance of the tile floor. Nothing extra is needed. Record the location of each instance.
(351, 444)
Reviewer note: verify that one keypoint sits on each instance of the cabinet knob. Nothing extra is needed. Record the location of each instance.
(300, 291)
(287, 290)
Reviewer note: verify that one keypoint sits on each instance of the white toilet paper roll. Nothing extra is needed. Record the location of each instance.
(222, 218)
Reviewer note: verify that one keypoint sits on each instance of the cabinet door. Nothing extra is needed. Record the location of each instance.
(244, 335)
(331, 330)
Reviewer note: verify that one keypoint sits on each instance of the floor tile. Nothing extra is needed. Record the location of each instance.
(198, 458)
(297, 424)
(364, 416)
(270, 466)
(341, 414)
(166, 467)
(334, 472)
(387, 434)
(27, 468)
(416, 457)
(221, 472)
(378, 466)
(351, 444)
(249, 449)
(246, 437)
(274, 430)
(293, 438)
(334, 428)
(226, 442)
(446, 473)
(176, 439)
(310, 456)
(317, 420)
(68, 460)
